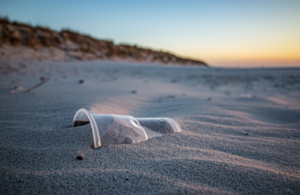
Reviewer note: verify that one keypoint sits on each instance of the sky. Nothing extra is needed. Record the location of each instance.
(223, 33)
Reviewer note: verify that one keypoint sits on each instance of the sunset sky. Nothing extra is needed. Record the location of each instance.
(235, 33)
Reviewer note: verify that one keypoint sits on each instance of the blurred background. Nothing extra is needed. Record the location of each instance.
(231, 33)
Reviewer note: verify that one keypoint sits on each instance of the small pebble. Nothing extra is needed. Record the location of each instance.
(209, 99)
(79, 158)
(81, 81)
(246, 133)
(133, 91)
(42, 78)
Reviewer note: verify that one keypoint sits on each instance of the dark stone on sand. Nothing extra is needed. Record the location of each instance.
(133, 91)
(81, 81)
(79, 158)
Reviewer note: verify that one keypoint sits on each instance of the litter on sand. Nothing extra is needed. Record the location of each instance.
(123, 129)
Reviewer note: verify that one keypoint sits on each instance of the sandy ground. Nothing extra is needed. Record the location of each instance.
(241, 129)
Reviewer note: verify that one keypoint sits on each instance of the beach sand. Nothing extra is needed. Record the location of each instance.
(240, 129)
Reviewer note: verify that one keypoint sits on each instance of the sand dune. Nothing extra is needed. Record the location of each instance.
(24, 41)
(240, 129)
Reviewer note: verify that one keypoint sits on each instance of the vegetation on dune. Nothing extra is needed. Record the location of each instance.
(20, 34)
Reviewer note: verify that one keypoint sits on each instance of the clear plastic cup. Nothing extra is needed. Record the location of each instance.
(123, 129)
(157, 126)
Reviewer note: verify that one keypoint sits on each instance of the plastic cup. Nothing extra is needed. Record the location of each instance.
(123, 129)
(157, 126)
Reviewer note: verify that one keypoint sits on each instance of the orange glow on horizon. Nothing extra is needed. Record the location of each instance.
(272, 57)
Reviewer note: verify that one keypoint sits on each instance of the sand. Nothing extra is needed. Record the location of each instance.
(240, 129)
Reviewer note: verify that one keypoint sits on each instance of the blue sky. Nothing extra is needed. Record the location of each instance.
(221, 32)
